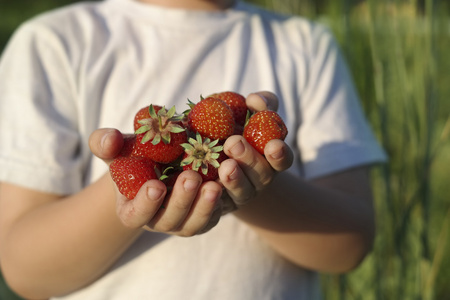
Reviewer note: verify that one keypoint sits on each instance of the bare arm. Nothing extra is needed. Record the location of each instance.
(51, 245)
(325, 225)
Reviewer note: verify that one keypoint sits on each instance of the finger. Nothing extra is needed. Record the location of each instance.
(213, 220)
(254, 165)
(139, 211)
(227, 204)
(262, 101)
(178, 204)
(106, 143)
(237, 185)
(279, 155)
(205, 212)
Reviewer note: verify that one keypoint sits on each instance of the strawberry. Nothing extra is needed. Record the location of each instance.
(203, 156)
(238, 130)
(237, 104)
(212, 118)
(130, 173)
(160, 135)
(143, 114)
(262, 127)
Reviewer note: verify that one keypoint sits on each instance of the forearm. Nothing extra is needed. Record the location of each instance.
(65, 244)
(313, 226)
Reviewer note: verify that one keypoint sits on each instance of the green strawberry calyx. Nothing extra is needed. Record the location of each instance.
(158, 127)
(201, 152)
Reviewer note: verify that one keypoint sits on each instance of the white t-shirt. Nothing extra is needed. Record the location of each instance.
(91, 65)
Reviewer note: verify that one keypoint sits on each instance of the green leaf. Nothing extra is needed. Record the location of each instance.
(187, 146)
(214, 163)
(166, 137)
(207, 141)
(162, 112)
(199, 138)
(166, 170)
(171, 112)
(177, 129)
(147, 137)
(213, 143)
(197, 165)
(187, 161)
(217, 149)
(247, 117)
(156, 139)
(152, 112)
(178, 118)
(191, 105)
(192, 141)
(145, 121)
(142, 129)
(204, 169)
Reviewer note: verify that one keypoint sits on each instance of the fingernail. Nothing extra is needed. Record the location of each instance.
(190, 185)
(237, 149)
(264, 99)
(210, 195)
(154, 193)
(277, 155)
(105, 138)
(233, 175)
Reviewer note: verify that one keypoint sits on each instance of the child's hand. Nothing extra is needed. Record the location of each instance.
(248, 172)
(194, 207)
(191, 208)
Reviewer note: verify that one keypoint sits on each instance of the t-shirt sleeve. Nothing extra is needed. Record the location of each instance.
(39, 139)
(334, 134)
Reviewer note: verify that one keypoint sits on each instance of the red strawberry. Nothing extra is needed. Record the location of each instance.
(161, 152)
(203, 156)
(238, 130)
(212, 118)
(143, 114)
(237, 104)
(262, 127)
(130, 173)
(160, 135)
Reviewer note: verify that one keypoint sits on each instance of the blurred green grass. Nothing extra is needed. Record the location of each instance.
(398, 52)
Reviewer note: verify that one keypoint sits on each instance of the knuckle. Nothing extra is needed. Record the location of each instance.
(266, 181)
(182, 204)
(126, 216)
(262, 180)
(204, 213)
(245, 198)
(165, 227)
(127, 222)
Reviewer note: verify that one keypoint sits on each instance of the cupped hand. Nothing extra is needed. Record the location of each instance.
(247, 172)
(191, 208)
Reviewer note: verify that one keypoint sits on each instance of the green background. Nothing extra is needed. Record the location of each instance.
(398, 52)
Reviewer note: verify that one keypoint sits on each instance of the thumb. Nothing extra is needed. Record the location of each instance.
(263, 100)
(106, 143)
